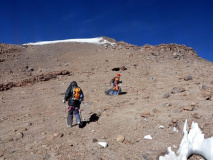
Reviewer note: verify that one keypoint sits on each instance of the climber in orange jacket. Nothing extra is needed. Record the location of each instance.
(115, 81)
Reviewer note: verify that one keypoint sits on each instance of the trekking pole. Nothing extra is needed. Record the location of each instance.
(85, 105)
(65, 109)
(81, 119)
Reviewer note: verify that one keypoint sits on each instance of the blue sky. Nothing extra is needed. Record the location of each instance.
(138, 22)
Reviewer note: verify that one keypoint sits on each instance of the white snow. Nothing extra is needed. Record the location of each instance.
(161, 127)
(175, 129)
(103, 144)
(98, 40)
(192, 143)
(147, 137)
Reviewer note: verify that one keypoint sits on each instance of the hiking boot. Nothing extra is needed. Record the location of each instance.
(115, 93)
(69, 126)
(78, 123)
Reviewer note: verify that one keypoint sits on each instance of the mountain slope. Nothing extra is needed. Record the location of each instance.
(162, 85)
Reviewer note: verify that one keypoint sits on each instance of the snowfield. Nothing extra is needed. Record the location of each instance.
(98, 40)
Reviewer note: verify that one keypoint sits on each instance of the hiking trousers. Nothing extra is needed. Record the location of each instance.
(115, 86)
(71, 111)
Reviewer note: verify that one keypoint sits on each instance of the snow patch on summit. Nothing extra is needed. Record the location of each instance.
(98, 40)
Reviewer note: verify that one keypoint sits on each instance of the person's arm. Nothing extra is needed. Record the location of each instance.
(119, 81)
(68, 93)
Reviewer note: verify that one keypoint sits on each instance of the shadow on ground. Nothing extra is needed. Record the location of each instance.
(93, 118)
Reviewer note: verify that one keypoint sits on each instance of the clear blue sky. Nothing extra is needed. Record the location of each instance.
(138, 22)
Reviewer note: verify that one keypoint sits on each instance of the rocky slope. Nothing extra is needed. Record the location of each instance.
(162, 86)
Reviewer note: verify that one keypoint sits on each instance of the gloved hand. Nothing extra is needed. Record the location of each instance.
(64, 101)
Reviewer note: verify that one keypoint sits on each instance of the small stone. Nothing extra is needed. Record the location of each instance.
(43, 133)
(174, 120)
(174, 124)
(187, 78)
(156, 111)
(128, 142)
(50, 137)
(193, 104)
(188, 108)
(44, 146)
(167, 95)
(196, 116)
(58, 135)
(28, 148)
(145, 97)
(177, 90)
(94, 140)
(145, 114)
(29, 124)
(47, 156)
(130, 55)
(23, 129)
(150, 78)
(202, 126)
(19, 135)
(120, 138)
(123, 68)
(166, 104)
(145, 157)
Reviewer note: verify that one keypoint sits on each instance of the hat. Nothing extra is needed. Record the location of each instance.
(118, 75)
(73, 83)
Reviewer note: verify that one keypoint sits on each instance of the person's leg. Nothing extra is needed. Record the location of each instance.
(116, 90)
(70, 117)
(77, 116)
(111, 92)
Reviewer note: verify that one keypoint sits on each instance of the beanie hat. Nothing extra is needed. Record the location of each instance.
(74, 83)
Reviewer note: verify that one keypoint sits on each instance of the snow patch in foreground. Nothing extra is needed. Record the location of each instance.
(192, 143)
(98, 40)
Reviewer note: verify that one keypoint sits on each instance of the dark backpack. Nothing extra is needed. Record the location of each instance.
(113, 80)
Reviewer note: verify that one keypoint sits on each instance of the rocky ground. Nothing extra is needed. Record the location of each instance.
(162, 86)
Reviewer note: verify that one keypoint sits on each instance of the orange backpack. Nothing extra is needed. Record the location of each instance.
(76, 93)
